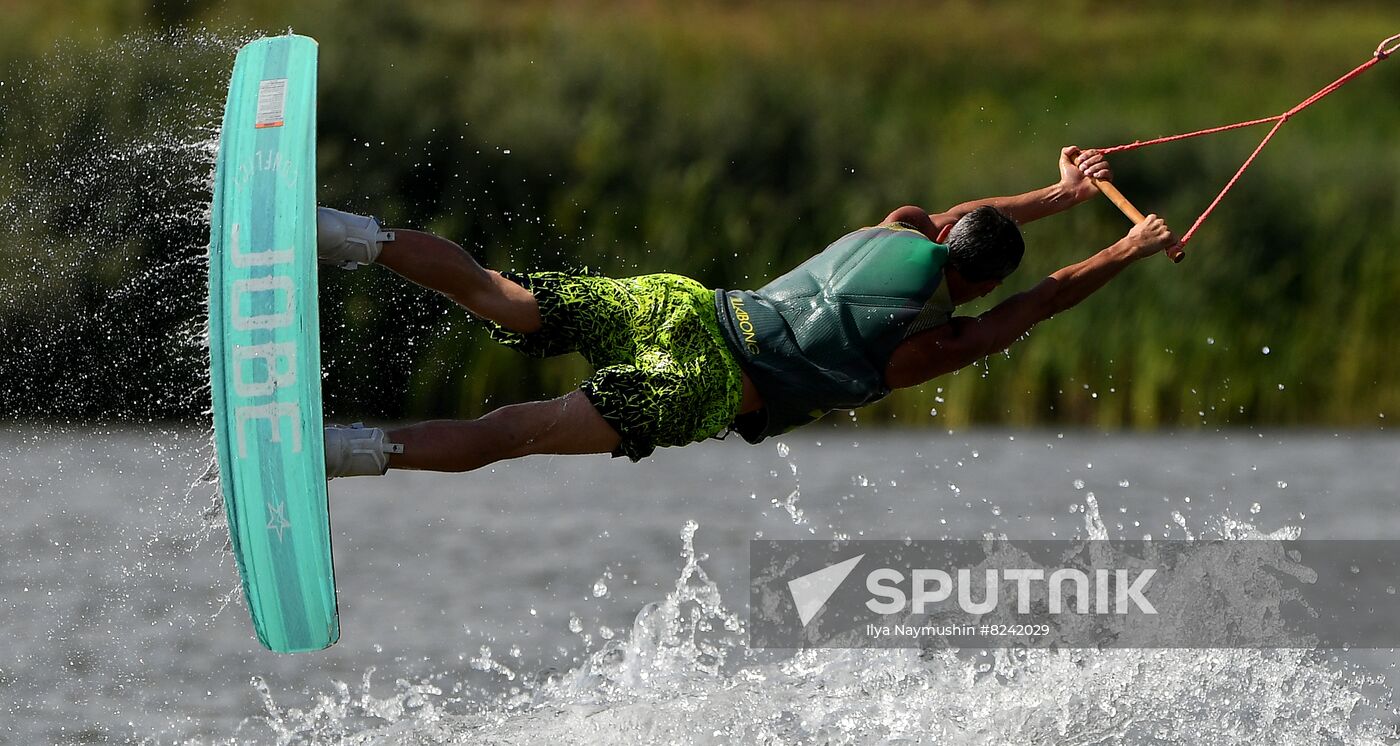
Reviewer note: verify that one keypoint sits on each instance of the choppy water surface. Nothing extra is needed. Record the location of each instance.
(582, 599)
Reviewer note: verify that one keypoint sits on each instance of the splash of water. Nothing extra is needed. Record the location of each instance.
(106, 164)
(684, 674)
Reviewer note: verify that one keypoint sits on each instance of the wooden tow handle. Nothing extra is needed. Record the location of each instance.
(1116, 197)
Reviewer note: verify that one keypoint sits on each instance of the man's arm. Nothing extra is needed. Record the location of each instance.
(1077, 168)
(965, 340)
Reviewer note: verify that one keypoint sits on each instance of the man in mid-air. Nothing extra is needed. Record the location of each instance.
(677, 362)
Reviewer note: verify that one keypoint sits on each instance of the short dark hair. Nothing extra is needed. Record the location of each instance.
(985, 244)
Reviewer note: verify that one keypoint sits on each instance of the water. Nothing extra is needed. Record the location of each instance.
(558, 599)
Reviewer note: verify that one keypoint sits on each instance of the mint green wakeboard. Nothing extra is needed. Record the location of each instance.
(264, 347)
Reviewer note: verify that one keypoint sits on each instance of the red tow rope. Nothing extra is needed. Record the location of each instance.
(1383, 50)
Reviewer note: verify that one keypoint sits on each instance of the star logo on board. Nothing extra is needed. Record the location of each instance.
(811, 591)
(278, 521)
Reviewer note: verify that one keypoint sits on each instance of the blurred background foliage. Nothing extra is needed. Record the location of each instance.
(726, 141)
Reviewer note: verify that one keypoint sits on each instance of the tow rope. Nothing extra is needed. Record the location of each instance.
(1383, 50)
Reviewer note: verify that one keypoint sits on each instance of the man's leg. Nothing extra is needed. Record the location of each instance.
(348, 240)
(441, 265)
(566, 425)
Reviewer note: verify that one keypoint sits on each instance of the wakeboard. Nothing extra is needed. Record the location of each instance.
(264, 346)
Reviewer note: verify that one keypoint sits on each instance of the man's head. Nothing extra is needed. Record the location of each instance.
(984, 247)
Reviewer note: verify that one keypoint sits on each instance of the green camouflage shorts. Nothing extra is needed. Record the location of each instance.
(664, 375)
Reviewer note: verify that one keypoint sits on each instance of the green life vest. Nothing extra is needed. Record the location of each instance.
(819, 337)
